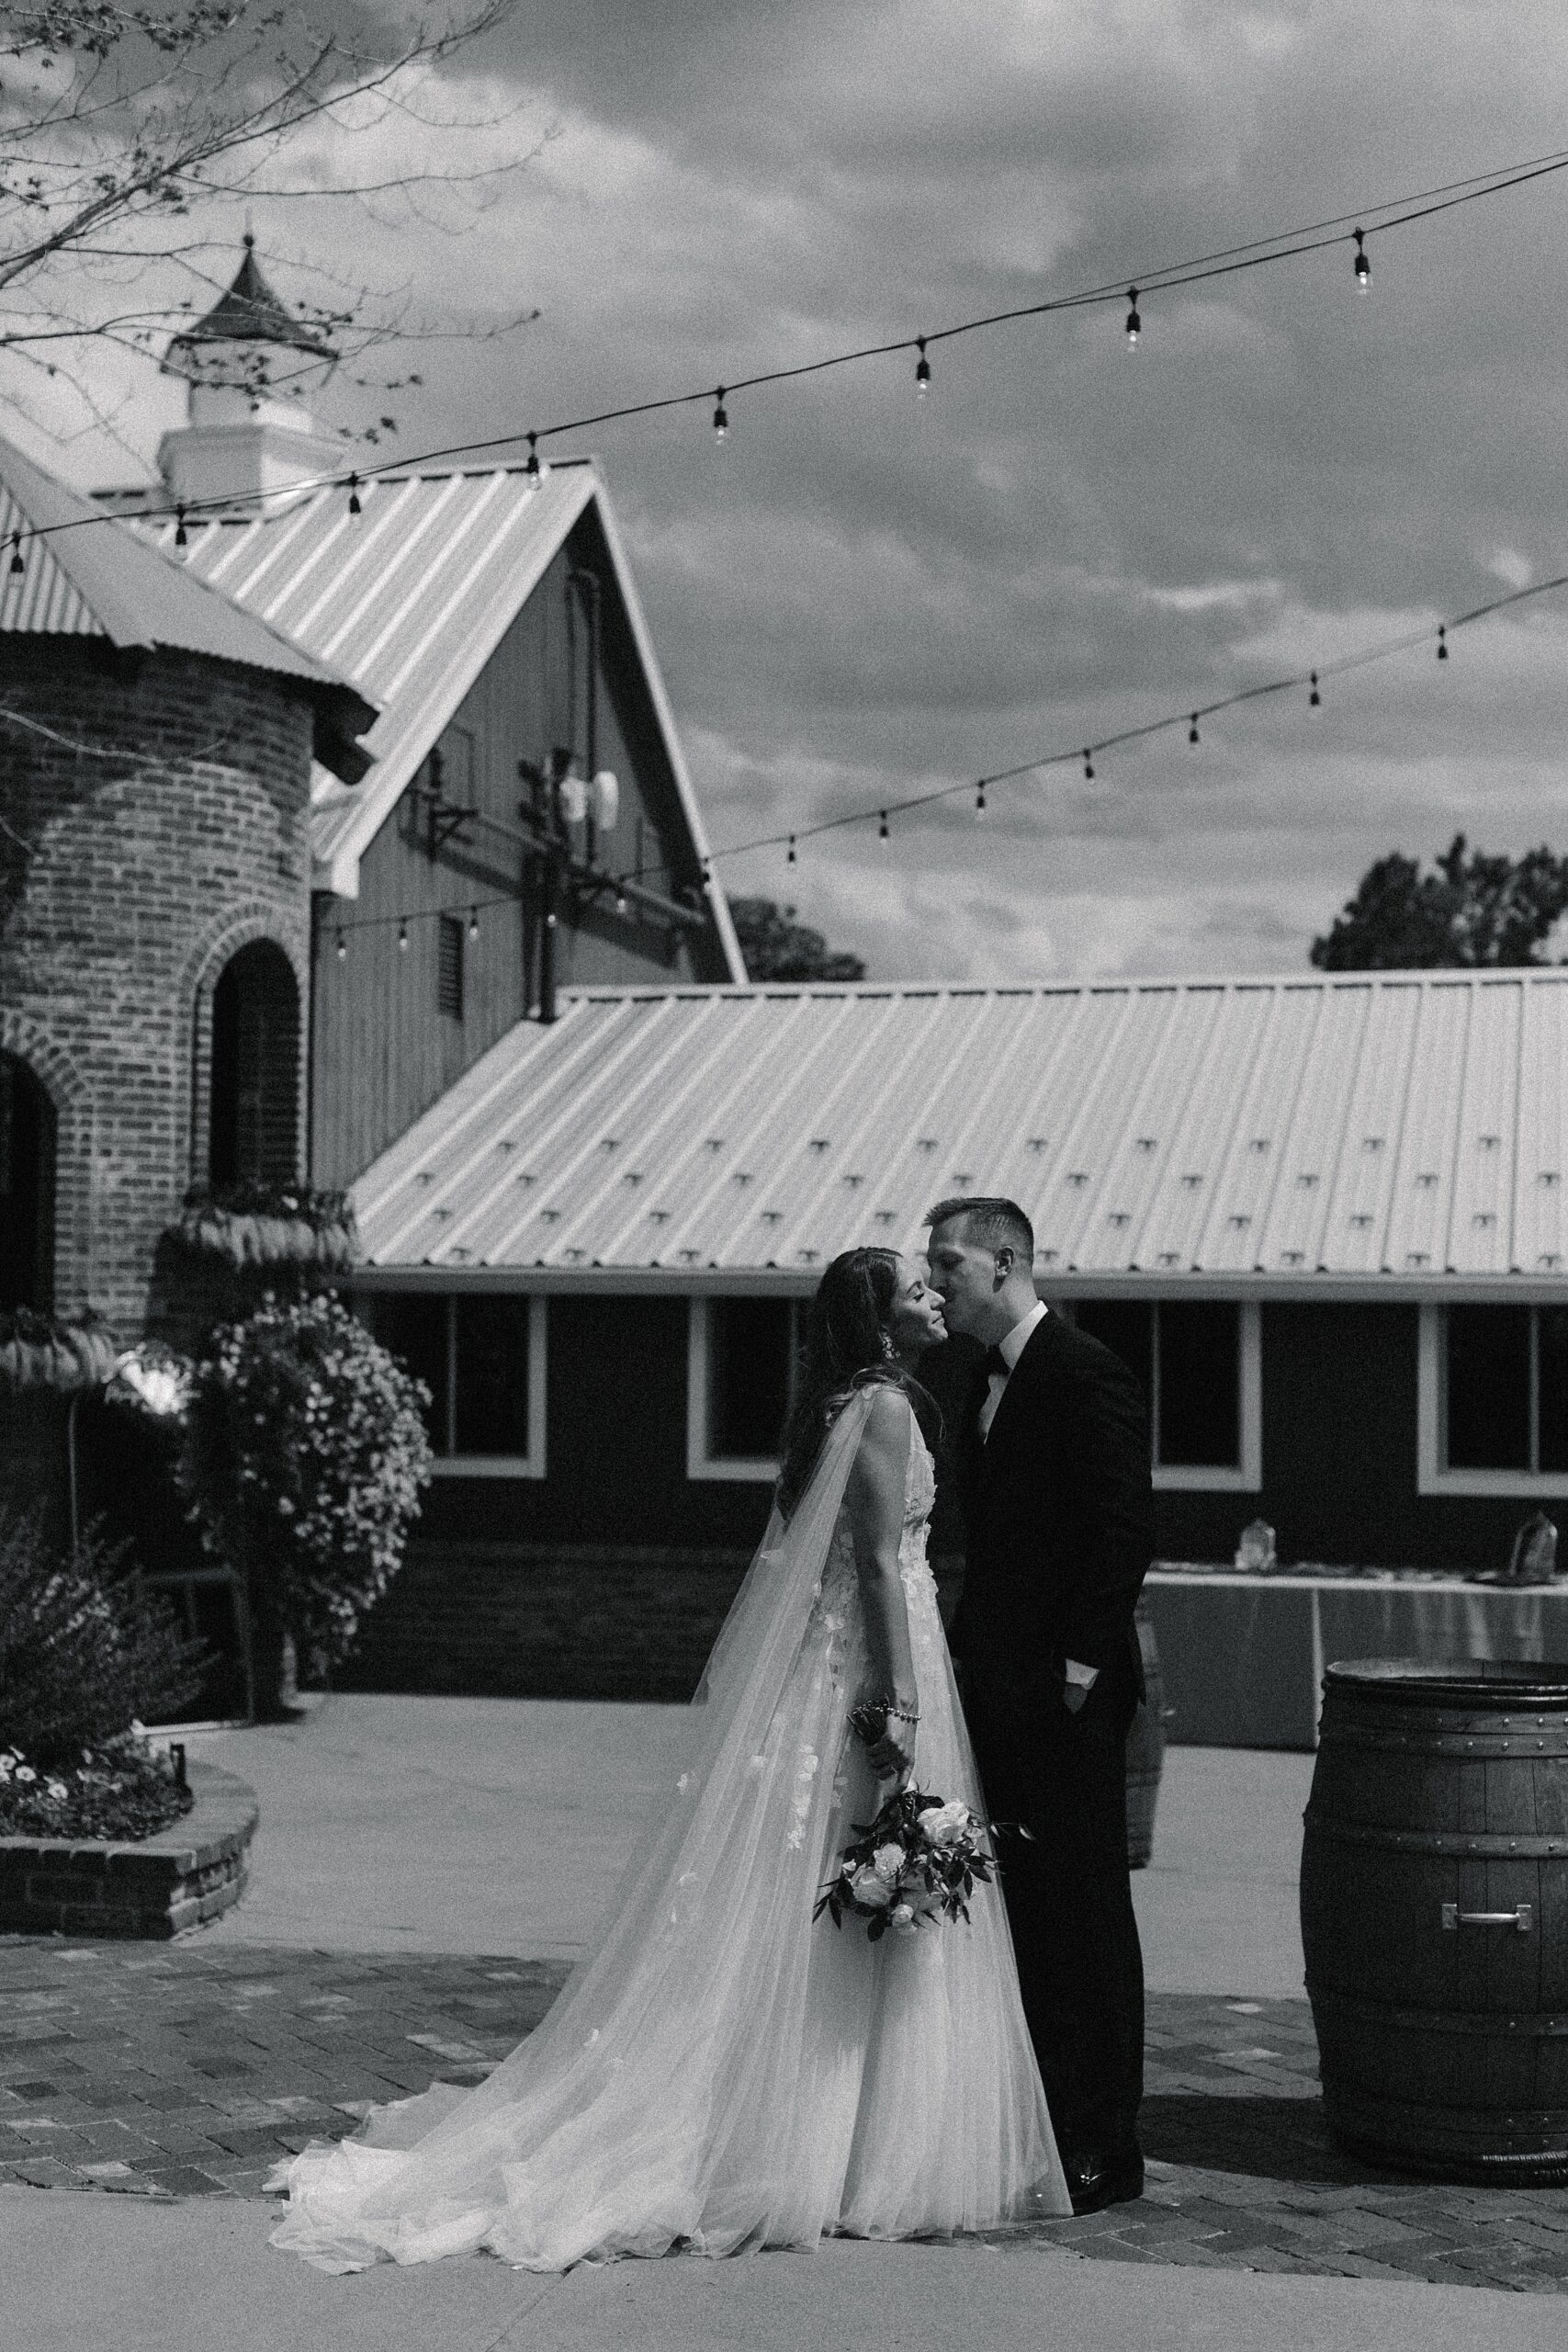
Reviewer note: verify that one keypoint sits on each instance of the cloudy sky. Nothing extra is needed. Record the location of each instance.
(860, 596)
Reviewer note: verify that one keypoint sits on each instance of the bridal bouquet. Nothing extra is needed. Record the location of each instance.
(918, 1860)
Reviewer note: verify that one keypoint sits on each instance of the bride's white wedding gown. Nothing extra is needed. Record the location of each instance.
(722, 2072)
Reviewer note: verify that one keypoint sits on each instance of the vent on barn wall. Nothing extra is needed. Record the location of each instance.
(449, 967)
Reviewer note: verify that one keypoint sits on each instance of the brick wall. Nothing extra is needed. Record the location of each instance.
(163, 800)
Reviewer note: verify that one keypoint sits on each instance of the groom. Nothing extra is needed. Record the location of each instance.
(1054, 1472)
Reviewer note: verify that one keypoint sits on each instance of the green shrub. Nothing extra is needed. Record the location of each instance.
(304, 1456)
(82, 1658)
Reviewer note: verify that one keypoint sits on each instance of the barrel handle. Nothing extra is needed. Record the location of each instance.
(1522, 1917)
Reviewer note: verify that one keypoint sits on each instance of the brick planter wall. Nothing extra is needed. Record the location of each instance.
(158, 1886)
(172, 838)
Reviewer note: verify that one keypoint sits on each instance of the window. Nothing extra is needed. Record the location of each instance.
(254, 1100)
(1198, 1360)
(1492, 1402)
(481, 1355)
(740, 1377)
(449, 965)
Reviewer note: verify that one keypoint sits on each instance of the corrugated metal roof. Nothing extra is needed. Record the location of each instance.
(1409, 1126)
(104, 579)
(409, 598)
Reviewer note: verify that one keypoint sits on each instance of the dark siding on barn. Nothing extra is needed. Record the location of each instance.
(382, 1051)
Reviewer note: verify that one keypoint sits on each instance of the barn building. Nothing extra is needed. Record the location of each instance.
(1323, 1216)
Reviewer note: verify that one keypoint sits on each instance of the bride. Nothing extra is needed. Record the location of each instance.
(722, 2072)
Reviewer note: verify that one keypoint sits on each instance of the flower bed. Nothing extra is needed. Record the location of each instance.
(159, 1886)
(114, 1793)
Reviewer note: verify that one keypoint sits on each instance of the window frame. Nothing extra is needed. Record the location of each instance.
(736, 1469)
(1433, 1474)
(529, 1465)
(1243, 1478)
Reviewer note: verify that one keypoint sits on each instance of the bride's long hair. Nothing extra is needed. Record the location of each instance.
(846, 1347)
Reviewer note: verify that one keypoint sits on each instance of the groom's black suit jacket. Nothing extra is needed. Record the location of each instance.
(1058, 1511)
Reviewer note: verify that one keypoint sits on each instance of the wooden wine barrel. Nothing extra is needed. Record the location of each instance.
(1435, 1915)
(1146, 1750)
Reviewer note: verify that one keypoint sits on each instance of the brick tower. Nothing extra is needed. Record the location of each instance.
(156, 746)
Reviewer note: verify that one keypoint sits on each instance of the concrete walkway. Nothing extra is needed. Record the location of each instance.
(502, 1825)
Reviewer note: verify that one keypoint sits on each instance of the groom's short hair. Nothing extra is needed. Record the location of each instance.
(993, 1223)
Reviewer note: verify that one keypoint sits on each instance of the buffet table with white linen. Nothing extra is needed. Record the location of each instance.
(1243, 1655)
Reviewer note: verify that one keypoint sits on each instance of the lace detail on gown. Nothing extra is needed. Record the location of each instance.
(722, 2072)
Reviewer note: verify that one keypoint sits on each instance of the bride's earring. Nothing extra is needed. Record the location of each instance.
(888, 1349)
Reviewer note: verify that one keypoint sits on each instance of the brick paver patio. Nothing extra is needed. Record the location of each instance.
(187, 2071)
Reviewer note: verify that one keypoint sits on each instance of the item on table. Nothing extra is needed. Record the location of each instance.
(1255, 1549)
(1534, 1557)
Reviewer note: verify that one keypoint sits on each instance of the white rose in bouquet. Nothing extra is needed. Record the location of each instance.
(887, 1861)
(901, 1919)
(944, 1825)
(870, 1888)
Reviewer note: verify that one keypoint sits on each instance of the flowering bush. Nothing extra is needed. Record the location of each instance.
(305, 1453)
(81, 1656)
(121, 1790)
(920, 1859)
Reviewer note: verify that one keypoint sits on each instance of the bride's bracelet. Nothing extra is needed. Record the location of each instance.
(870, 1720)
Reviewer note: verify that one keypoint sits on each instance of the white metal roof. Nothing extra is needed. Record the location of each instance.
(409, 598)
(1279, 1131)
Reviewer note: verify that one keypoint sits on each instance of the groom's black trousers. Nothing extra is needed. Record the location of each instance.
(1069, 1901)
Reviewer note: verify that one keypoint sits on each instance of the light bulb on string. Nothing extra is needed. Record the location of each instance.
(1442, 641)
(1088, 769)
(720, 416)
(1314, 699)
(922, 369)
(534, 469)
(1134, 323)
(1193, 728)
(1361, 264)
(17, 563)
(473, 922)
(354, 505)
(622, 902)
(403, 938)
(789, 854)
(979, 800)
(881, 831)
(182, 536)
(342, 946)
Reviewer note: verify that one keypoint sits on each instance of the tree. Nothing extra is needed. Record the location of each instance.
(1469, 910)
(777, 947)
(127, 132)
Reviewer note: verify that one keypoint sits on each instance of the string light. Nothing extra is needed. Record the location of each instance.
(1442, 641)
(354, 505)
(1363, 266)
(1193, 728)
(1088, 769)
(404, 937)
(720, 416)
(622, 902)
(341, 946)
(182, 536)
(790, 857)
(1134, 323)
(881, 831)
(922, 369)
(473, 922)
(979, 800)
(17, 563)
(534, 470)
(1314, 698)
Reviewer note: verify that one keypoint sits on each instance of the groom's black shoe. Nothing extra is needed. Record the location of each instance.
(1099, 2177)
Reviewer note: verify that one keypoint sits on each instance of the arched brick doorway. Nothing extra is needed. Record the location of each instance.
(27, 1188)
(254, 1114)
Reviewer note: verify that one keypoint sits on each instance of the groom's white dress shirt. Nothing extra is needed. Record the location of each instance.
(1010, 1349)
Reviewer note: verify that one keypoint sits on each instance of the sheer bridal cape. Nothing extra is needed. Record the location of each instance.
(722, 2072)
